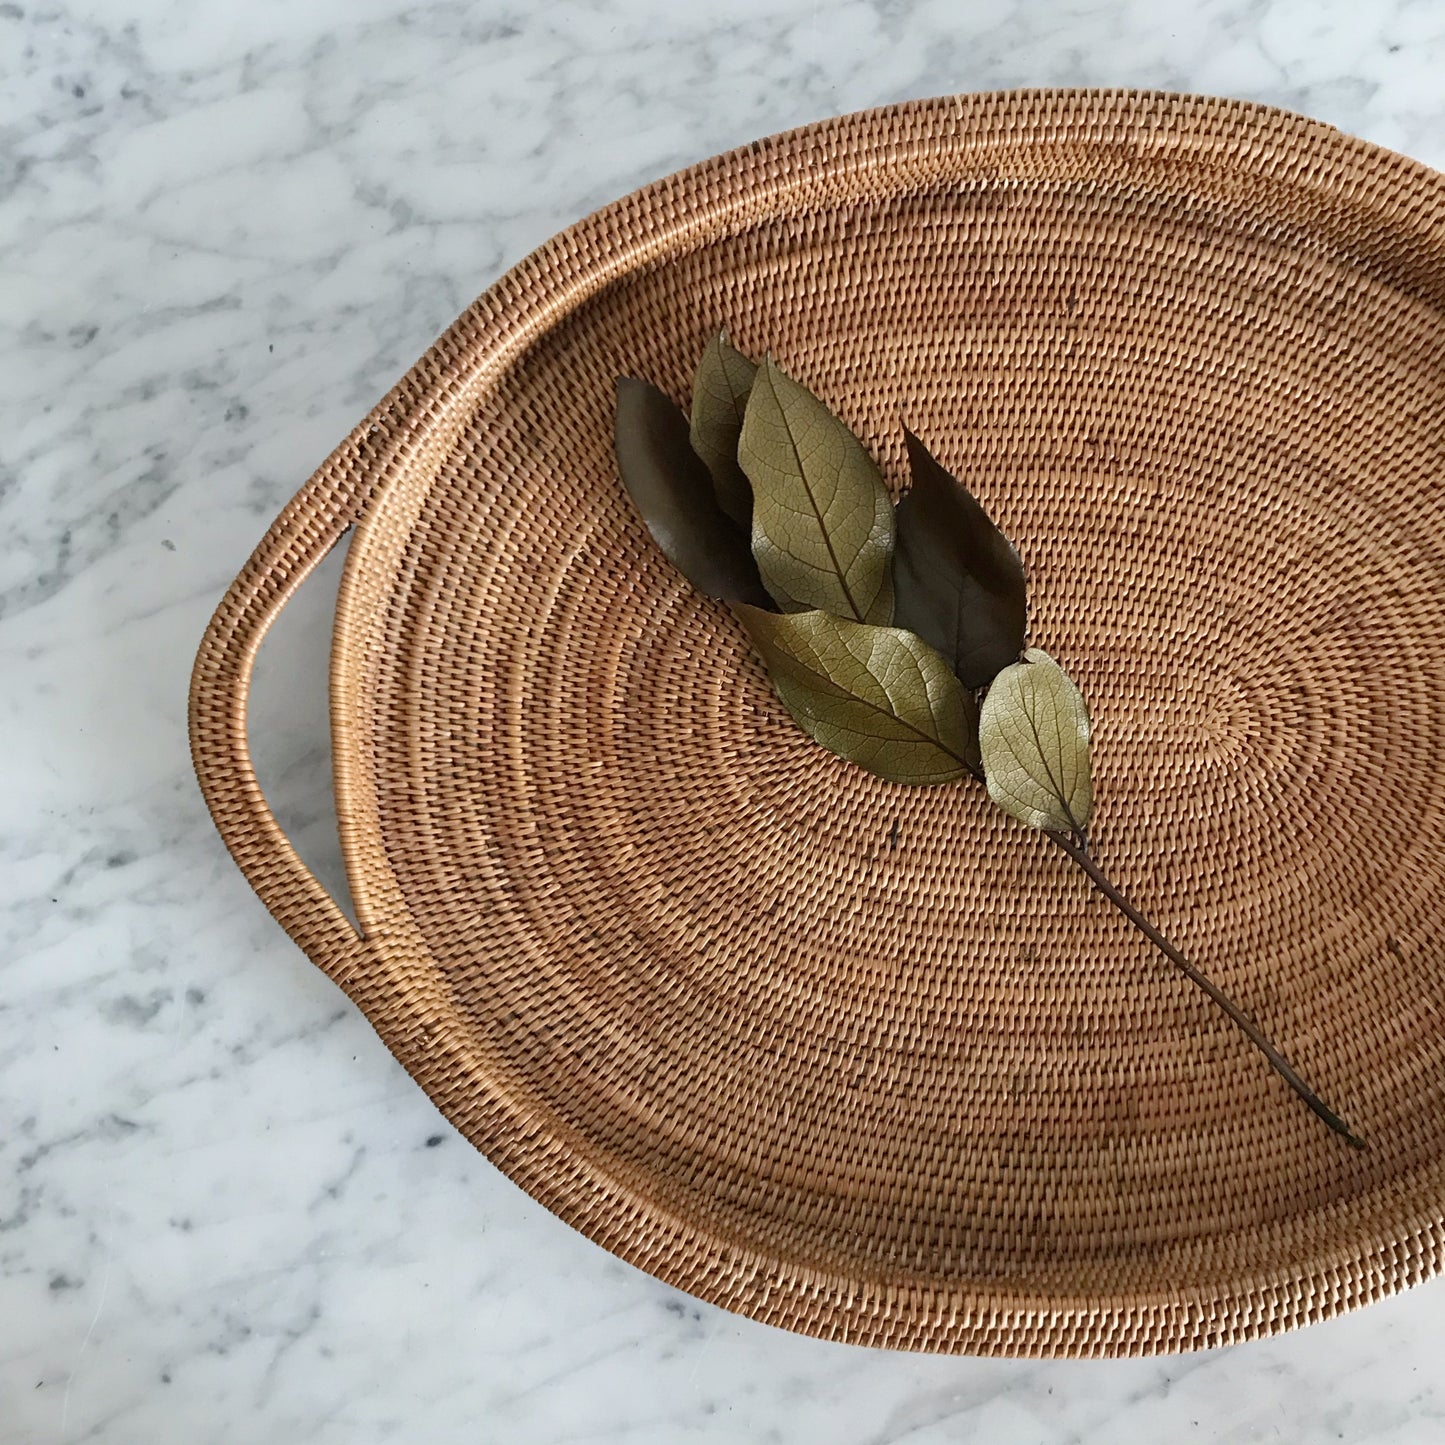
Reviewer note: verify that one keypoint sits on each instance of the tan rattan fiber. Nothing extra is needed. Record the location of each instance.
(870, 1062)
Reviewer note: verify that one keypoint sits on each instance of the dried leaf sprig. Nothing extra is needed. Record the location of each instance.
(894, 636)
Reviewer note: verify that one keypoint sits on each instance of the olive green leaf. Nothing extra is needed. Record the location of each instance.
(671, 489)
(719, 398)
(1034, 736)
(959, 583)
(822, 521)
(877, 696)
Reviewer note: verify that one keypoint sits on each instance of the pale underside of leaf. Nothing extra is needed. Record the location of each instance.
(720, 390)
(878, 696)
(1034, 738)
(822, 528)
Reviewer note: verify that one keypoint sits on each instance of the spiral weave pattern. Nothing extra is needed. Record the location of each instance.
(873, 1062)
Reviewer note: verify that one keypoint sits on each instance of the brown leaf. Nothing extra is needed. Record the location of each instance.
(672, 491)
(719, 400)
(959, 583)
(877, 696)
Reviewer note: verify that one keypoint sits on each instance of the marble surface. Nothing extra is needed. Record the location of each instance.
(226, 1215)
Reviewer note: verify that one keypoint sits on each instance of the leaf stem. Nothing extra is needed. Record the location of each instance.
(1077, 850)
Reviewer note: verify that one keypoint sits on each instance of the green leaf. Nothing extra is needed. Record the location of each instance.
(671, 489)
(822, 521)
(1034, 736)
(958, 581)
(877, 696)
(719, 399)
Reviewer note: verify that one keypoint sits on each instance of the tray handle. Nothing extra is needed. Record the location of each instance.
(309, 527)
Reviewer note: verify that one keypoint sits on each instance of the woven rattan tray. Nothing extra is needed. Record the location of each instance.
(871, 1062)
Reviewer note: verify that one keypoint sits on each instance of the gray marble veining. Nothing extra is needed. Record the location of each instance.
(226, 1215)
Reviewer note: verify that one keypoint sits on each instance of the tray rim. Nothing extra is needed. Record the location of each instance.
(385, 465)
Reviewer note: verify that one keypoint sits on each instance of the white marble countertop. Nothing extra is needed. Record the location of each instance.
(226, 1214)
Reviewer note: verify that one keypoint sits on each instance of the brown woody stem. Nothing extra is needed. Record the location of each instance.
(1077, 850)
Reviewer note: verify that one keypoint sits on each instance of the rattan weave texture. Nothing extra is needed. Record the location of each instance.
(870, 1062)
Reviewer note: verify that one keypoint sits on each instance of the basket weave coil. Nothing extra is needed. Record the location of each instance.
(872, 1062)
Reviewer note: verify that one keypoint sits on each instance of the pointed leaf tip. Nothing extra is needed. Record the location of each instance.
(958, 581)
(720, 391)
(822, 518)
(877, 696)
(672, 492)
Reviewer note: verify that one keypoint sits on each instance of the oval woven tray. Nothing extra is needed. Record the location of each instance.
(871, 1062)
